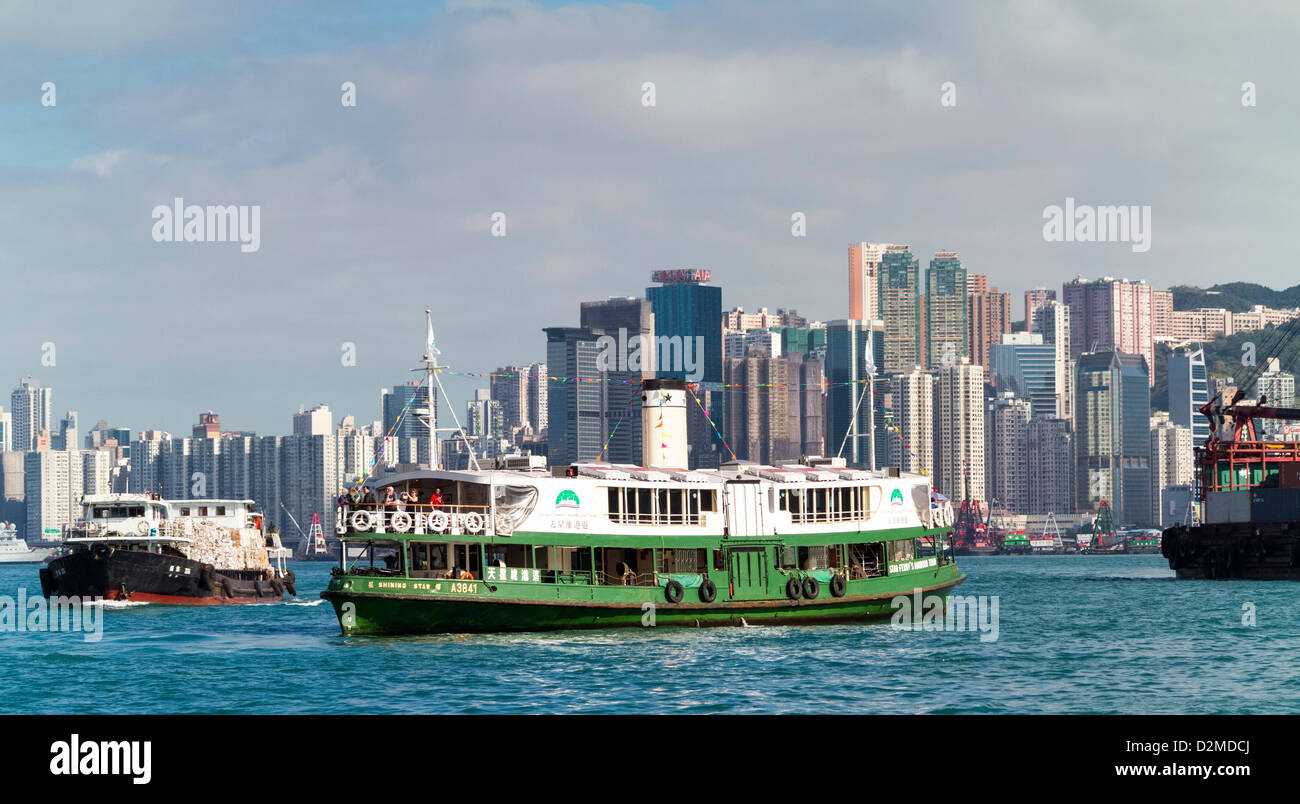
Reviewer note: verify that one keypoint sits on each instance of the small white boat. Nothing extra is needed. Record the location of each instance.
(14, 550)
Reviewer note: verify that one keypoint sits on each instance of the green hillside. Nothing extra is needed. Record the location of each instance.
(1237, 297)
(1223, 358)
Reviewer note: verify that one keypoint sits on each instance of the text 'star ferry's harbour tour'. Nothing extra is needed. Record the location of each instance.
(521, 547)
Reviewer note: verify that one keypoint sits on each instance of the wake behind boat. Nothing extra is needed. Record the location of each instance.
(194, 552)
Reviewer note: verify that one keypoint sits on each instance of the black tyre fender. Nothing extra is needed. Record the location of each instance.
(1169, 544)
(226, 587)
(838, 586)
(673, 592)
(708, 591)
(793, 588)
(811, 588)
(289, 583)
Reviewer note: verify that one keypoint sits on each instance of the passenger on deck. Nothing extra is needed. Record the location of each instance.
(390, 498)
(436, 500)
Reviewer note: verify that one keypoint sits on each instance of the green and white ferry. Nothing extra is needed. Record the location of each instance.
(526, 547)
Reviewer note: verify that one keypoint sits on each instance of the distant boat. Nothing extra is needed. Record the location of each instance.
(14, 550)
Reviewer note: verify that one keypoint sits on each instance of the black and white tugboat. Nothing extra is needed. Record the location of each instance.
(191, 552)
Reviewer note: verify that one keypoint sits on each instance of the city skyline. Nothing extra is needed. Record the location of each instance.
(536, 112)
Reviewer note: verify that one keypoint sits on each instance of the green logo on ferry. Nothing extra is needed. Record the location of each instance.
(566, 499)
(896, 497)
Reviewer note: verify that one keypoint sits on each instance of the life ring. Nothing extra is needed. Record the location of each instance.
(465, 575)
(142, 527)
(438, 522)
(472, 522)
(811, 588)
(793, 588)
(400, 522)
(838, 586)
(708, 591)
(673, 592)
(92, 528)
(361, 521)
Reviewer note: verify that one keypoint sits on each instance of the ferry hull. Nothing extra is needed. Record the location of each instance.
(398, 613)
(1241, 550)
(154, 578)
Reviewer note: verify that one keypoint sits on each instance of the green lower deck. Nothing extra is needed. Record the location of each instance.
(394, 605)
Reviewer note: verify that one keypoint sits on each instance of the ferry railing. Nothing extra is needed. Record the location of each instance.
(413, 518)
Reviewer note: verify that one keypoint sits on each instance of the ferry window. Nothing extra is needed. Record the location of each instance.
(865, 560)
(663, 505)
(796, 503)
(708, 502)
(693, 507)
(718, 560)
(675, 506)
(643, 505)
(786, 557)
(615, 505)
(99, 513)
(902, 550)
(782, 500)
(811, 558)
(820, 501)
(185, 512)
(221, 510)
(203, 510)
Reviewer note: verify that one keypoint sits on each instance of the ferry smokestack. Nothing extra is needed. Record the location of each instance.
(663, 423)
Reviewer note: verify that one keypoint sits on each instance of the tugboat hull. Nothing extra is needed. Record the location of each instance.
(154, 578)
(1242, 550)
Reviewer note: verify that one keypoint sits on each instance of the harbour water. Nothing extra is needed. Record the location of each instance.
(1104, 634)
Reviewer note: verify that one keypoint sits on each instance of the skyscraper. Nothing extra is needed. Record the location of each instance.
(864, 267)
(1113, 434)
(1049, 453)
(1027, 367)
(1052, 321)
(1110, 315)
(758, 409)
(30, 406)
(574, 397)
(945, 310)
(989, 313)
(6, 431)
(624, 328)
(959, 431)
(850, 374)
(408, 433)
(900, 308)
(1171, 466)
(1034, 299)
(1276, 387)
(1006, 456)
(1189, 391)
(912, 443)
(66, 436)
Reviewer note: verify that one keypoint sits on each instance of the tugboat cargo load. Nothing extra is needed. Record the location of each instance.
(193, 552)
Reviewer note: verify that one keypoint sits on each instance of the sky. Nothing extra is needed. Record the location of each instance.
(371, 213)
